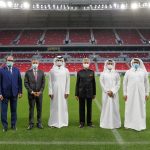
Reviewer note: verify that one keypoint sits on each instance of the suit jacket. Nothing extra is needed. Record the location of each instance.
(10, 83)
(85, 84)
(34, 85)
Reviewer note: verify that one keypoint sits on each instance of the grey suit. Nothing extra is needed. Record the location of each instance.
(31, 84)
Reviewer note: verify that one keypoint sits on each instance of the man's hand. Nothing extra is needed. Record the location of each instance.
(66, 96)
(1, 97)
(33, 93)
(146, 97)
(110, 94)
(125, 97)
(20, 95)
(77, 98)
(51, 96)
(38, 94)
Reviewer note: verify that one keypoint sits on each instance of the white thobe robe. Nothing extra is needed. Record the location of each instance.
(59, 85)
(135, 87)
(110, 115)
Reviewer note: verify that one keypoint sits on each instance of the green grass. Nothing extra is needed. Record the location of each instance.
(72, 133)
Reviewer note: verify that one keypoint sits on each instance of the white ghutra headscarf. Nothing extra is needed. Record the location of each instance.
(142, 66)
(106, 67)
(55, 60)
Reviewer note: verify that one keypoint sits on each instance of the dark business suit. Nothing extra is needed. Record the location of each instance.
(85, 90)
(35, 85)
(10, 87)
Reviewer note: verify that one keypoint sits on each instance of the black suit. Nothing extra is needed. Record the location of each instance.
(35, 85)
(85, 90)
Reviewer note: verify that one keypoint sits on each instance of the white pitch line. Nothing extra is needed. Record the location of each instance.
(117, 135)
(71, 143)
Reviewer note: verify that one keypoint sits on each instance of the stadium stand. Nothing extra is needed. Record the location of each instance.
(74, 36)
(104, 37)
(30, 37)
(55, 37)
(129, 36)
(8, 36)
(79, 36)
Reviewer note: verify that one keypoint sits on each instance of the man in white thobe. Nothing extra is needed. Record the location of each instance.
(136, 91)
(59, 86)
(110, 83)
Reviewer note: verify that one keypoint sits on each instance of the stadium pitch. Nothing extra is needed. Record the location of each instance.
(72, 137)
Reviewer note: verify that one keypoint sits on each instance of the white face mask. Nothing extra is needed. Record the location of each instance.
(35, 66)
(110, 67)
(86, 65)
(59, 63)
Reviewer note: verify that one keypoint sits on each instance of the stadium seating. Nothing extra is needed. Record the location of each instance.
(122, 66)
(23, 55)
(51, 55)
(79, 55)
(147, 65)
(76, 36)
(108, 55)
(145, 33)
(23, 67)
(30, 37)
(137, 55)
(104, 37)
(55, 37)
(129, 36)
(7, 36)
(79, 36)
(100, 67)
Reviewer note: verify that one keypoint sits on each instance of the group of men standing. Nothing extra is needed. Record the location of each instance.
(135, 89)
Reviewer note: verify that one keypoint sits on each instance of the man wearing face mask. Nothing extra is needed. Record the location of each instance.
(110, 83)
(34, 83)
(10, 90)
(85, 92)
(136, 92)
(59, 89)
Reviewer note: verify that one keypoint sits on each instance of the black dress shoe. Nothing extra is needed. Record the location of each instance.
(5, 129)
(30, 127)
(14, 128)
(81, 126)
(91, 125)
(39, 125)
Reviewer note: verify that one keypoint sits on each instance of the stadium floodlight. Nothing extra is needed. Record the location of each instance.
(123, 6)
(115, 5)
(3, 4)
(26, 5)
(134, 6)
(10, 4)
(110, 6)
(37, 6)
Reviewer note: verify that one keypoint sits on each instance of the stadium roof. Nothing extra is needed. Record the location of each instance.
(74, 5)
(69, 13)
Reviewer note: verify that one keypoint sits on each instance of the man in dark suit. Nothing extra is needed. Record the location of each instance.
(85, 92)
(10, 89)
(35, 82)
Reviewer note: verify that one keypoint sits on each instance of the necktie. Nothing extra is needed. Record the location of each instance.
(35, 74)
(9, 69)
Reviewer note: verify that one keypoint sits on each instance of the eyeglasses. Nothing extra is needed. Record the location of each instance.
(59, 60)
(10, 60)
